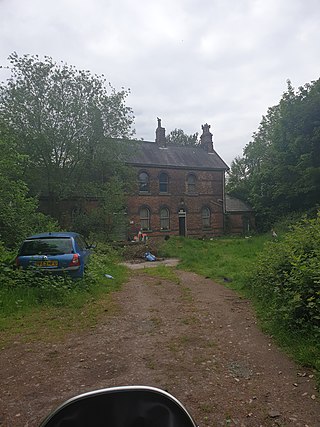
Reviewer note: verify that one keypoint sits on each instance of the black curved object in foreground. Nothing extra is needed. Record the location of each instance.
(132, 406)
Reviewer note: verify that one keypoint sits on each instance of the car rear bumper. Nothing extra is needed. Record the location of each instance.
(74, 271)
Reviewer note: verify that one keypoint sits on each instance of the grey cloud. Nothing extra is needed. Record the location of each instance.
(189, 62)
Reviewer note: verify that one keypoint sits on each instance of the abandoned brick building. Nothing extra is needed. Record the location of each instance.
(181, 190)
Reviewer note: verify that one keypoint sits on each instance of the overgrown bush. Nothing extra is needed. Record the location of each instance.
(287, 277)
(19, 214)
(22, 290)
(45, 307)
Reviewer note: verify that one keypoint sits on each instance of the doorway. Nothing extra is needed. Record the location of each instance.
(182, 222)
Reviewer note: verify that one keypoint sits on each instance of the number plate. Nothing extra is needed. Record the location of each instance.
(46, 263)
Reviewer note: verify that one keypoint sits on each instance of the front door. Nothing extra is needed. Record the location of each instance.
(182, 222)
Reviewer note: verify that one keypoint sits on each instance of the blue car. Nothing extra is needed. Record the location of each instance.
(58, 253)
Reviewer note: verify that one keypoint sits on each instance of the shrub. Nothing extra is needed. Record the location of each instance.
(287, 276)
(18, 214)
(23, 290)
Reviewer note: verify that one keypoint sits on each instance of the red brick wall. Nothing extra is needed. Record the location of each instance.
(209, 193)
(240, 223)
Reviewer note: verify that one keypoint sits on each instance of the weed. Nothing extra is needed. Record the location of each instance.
(206, 408)
(156, 321)
(150, 363)
(190, 321)
(44, 307)
(163, 272)
(186, 294)
(173, 346)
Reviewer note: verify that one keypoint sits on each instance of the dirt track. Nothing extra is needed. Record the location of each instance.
(196, 339)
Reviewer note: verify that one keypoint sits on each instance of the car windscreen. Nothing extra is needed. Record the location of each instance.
(47, 246)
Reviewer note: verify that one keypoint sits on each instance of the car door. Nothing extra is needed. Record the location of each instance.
(84, 251)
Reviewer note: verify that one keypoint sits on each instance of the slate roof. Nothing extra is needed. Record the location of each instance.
(150, 154)
(236, 205)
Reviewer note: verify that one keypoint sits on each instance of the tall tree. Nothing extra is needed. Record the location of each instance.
(281, 165)
(237, 178)
(18, 211)
(64, 119)
(179, 137)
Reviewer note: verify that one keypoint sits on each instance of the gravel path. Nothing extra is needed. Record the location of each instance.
(196, 339)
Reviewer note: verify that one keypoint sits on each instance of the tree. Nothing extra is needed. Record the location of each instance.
(108, 220)
(178, 137)
(237, 179)
(64, 119)
(281, 165)
(18, 211)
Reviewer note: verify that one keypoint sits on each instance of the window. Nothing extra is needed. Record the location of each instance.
(143, 182)
(164, 219)
(81, 243)
(191, 184)
(145, 219)
(163, 183)
(47, 246)
(205, 214)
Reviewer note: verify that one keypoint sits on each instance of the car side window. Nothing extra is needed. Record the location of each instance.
(81, 243)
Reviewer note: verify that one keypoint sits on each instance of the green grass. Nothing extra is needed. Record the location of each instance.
(226, 260)
(230, 261)
(47, 308)
(162, 272)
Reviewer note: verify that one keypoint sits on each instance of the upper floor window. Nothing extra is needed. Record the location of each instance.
(206, 216)
(145, 219)
(163, 183)
(191, 183)
(164, 219)
(144, 185)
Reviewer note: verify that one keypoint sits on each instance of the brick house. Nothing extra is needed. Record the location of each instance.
(180, 189)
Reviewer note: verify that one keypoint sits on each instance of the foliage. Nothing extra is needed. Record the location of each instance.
(237, 180)
(23, 293)
(107, 221)
(178, 137)
(65, 127)
(66, 121)
(279, 172)
(288, 277)
(18, 211)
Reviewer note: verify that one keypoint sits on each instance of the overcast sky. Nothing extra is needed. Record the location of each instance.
(189, 62)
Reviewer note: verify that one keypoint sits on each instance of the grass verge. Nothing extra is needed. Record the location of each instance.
(47, 308)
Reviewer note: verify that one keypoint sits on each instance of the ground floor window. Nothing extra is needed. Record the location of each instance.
(145, 218)
(206, 217)
(164, 219)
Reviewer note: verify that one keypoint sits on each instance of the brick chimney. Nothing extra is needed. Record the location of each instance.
(160, 134)
(206, 138)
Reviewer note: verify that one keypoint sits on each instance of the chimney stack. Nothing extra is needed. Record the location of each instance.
(206, 138)
(160, 134)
